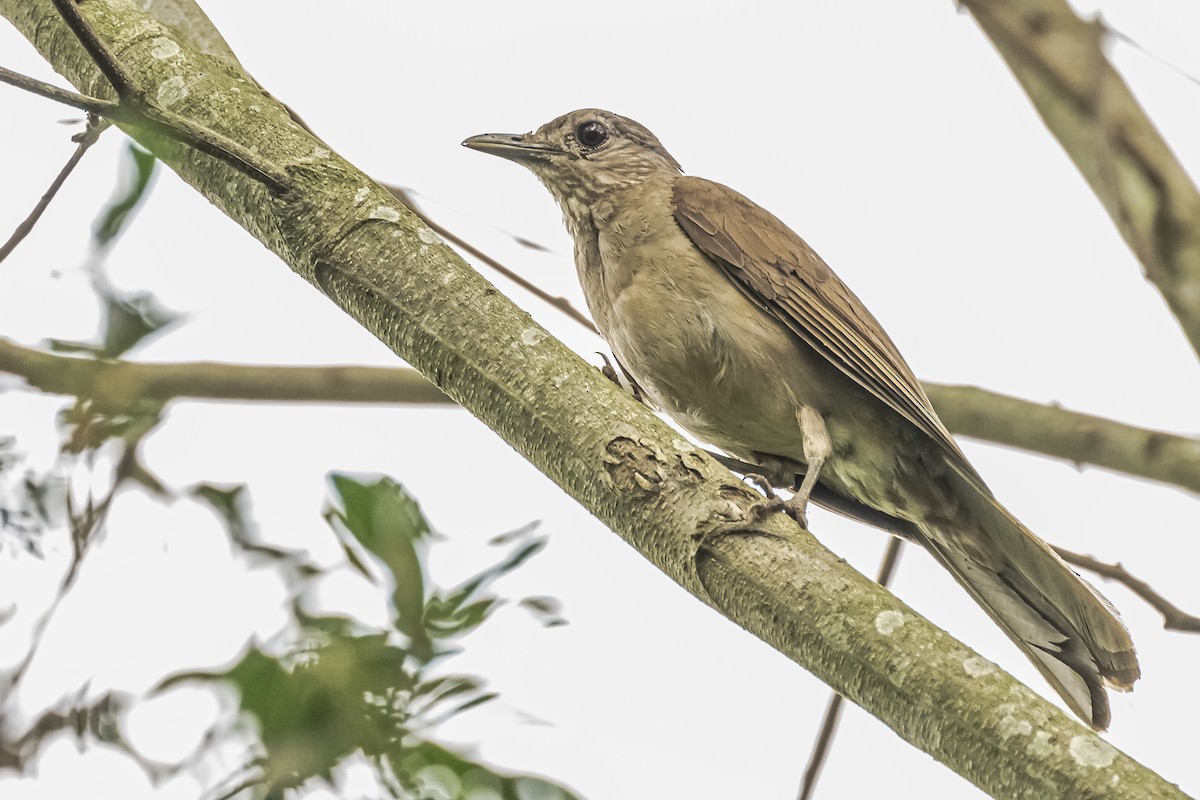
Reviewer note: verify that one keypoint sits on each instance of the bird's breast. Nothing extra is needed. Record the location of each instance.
(701, 350)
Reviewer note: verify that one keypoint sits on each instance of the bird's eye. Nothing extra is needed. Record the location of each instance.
(591, 134)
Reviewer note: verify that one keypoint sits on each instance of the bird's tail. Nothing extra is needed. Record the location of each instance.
(1070, 632)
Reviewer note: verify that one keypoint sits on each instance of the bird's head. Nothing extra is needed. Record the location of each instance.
(583, 155)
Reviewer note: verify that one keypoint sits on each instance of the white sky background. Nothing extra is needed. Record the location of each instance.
(889, 135)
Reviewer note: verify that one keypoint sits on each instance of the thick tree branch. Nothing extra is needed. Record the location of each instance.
(833, 711)
(679, 508)
(1059, 60)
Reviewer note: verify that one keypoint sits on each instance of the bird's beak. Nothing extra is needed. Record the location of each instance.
(513, 146)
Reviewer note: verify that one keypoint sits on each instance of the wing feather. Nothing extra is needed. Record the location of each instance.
(782, 274)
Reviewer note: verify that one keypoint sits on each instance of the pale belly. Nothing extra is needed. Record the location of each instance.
(726, 377)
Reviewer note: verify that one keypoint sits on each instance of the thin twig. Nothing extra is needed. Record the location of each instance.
(93, 105)
(1171, 65)
(1174, 618)
(136, 109)
(207, 141)
(561, 303)
(85, 140)
(833, 711)
(104, 59)
(152, 119)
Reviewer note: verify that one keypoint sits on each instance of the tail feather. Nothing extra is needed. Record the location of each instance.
(1066, 628)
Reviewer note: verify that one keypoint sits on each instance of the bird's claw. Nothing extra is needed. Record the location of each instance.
(629, 384)
(764, 508)
(607, 370)
(763, 483)
(796, 508)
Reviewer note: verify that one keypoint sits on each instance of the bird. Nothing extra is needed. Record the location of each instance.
(729, 323)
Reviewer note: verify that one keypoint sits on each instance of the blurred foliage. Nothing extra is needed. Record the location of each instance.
(343, 691)
(25, 501)
(127, 319)
(339, 693)
(140, 170)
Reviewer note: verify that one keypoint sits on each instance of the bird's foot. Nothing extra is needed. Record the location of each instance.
(796, 507)
(776, 471)
(774, 504)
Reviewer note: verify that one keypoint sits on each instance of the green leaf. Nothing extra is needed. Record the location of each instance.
(546, 609)
(232, 505)
(130, 318)
(516, 534)
(229, 503)
(463, 619)
(127, 320)
(383, 518)
(345, 691)
(456, 613)
(426, 769)
(120, 209)
(335, 701)
(426, 696)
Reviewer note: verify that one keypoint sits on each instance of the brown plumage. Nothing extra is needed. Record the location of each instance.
(731, 324)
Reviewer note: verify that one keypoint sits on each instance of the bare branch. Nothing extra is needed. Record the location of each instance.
(969, 411)
(1059, 60)
(115, 386)
(1081, 438)
(85, 140)
(104, 60)
(1174, 618)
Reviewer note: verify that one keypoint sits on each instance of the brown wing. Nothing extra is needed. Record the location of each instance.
(781, 273)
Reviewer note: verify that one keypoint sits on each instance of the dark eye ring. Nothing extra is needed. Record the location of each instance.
(591, 134)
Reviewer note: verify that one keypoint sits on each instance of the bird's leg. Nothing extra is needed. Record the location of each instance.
(817, 449)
